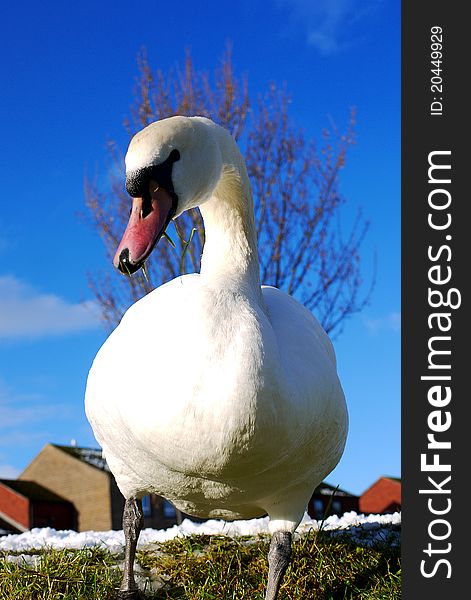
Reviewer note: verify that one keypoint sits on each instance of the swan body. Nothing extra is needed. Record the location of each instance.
(238, 414)
(215, 392)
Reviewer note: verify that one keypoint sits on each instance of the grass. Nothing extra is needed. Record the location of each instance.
(64, 574)
(209, 567)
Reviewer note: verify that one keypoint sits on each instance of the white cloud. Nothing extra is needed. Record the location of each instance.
(20, 409)
(27, 313)
(389, 322)
(12, 416)
(25, 421)
(8, 472)
(329, 24)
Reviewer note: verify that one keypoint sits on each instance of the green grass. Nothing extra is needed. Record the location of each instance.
(64, 574)
(210, 567)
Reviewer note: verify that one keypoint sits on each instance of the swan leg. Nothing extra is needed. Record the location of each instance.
(278, 560)
(133, 521)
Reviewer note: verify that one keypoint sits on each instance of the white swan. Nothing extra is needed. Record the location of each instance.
(214, 392)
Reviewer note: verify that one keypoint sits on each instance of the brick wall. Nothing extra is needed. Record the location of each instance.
(14, 508)
(87, 487)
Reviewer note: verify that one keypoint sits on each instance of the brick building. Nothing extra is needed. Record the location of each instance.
(384, 496)
(82, 481)
(81, 476)
(26, 504)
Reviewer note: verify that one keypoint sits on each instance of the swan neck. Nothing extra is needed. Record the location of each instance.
(230, 251)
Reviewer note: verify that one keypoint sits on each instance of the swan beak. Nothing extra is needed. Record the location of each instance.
(148, 220)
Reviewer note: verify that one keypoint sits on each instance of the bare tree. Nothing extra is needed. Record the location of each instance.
(295, 186)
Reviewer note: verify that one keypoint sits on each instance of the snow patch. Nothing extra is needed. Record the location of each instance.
(363, 529)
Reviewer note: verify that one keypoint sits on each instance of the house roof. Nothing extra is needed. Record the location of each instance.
(325, 489)
(32, 490)
(378, 482)
(91, 456)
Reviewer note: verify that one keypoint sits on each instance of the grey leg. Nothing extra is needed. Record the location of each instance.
(133, 521)
(278, 560)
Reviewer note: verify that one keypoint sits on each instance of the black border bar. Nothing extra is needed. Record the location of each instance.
(436, 268)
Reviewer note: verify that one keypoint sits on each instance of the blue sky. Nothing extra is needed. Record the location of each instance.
(67, 74)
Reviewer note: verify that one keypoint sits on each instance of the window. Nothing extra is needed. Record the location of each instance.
(146, 506)
(337, 507)
(169, 510)
(318, 508)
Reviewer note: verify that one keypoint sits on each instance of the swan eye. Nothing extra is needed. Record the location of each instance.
(137, 182)
(146, 205)
(174, 155)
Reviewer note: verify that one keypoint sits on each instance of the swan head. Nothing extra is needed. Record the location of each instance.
(172, 165)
